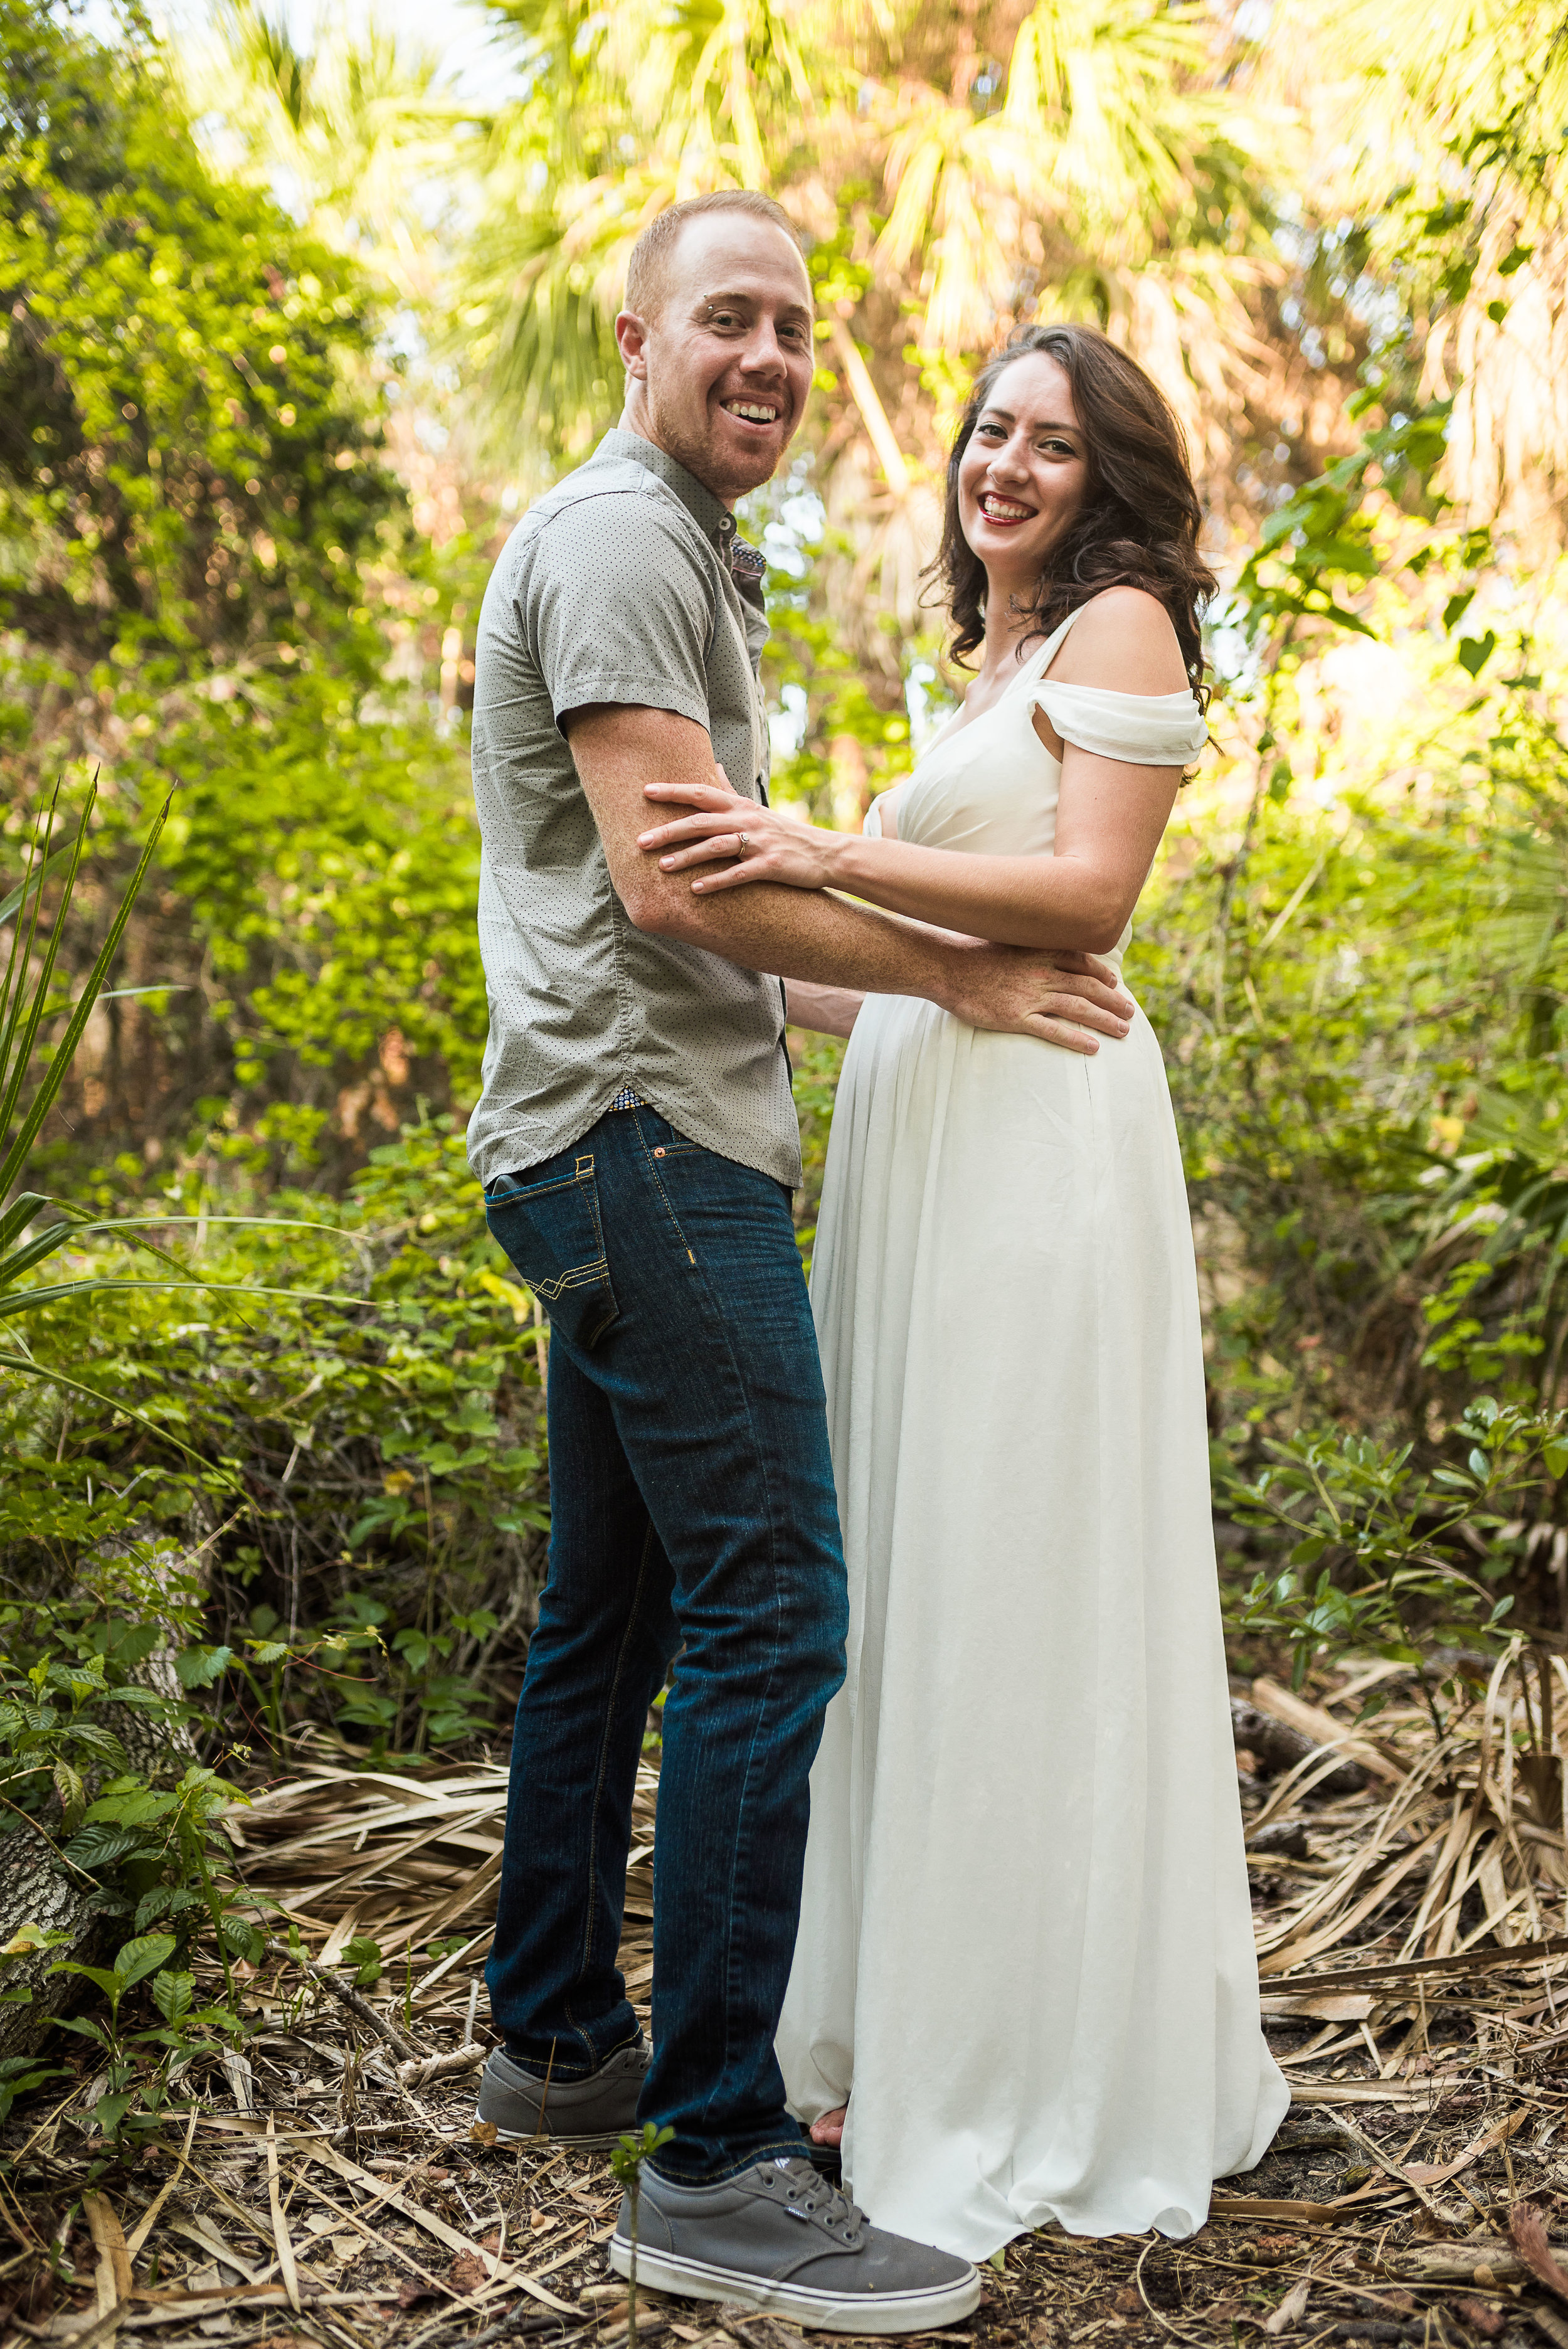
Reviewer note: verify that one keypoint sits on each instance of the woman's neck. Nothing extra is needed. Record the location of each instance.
(1006, 599)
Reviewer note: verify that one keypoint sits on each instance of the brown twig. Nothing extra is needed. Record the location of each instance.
(1375, 2154)
(352, 1999)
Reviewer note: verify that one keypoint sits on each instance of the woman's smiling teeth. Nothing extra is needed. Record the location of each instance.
(753, 411)
(995, 509)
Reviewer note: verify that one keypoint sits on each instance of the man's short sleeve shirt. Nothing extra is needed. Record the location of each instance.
(615, 587)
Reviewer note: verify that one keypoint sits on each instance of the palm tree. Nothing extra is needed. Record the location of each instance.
(355, 131)
(624, 114)
(1113, 181)
(1100, 172)
(1438, 124)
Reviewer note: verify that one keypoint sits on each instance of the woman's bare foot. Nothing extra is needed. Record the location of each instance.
(829, 2129)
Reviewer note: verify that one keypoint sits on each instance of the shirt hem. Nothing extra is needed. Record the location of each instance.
(512, 1153)
(618, 692)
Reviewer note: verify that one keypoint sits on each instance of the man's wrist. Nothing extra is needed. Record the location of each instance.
(952, 973)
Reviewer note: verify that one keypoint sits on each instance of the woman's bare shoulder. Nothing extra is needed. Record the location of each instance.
(1123, 642)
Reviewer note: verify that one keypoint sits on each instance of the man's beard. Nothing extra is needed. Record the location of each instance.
(698, 452)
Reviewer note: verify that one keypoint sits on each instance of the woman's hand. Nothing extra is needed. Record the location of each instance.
(763, 844)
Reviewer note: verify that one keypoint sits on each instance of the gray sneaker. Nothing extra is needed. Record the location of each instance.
(598, 2110)
(780, 2239)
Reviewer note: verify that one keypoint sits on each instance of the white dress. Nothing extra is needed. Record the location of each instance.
(1025, 1950)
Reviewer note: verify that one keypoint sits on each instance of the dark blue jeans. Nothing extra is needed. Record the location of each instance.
(692, 1508)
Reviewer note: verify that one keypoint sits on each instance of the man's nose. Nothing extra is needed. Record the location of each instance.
(763, 350)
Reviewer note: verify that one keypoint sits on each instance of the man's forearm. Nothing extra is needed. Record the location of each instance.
(788, 933)
(794, 934)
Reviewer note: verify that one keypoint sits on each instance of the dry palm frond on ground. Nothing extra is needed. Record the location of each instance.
(1409, 1882)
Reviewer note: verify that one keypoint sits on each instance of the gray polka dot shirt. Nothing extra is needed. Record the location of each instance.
(615, 587)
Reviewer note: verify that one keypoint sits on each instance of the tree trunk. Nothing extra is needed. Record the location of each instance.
(36, 1888)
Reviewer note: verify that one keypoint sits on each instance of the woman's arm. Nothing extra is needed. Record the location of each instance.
(1110, 818)
(826, 1010)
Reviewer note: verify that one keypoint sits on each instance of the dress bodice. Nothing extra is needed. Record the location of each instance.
(990, 788)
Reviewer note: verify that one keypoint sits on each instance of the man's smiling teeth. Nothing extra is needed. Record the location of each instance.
(750, 408)
(1002, 510)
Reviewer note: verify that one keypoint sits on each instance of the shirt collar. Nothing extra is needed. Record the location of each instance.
(714, 519)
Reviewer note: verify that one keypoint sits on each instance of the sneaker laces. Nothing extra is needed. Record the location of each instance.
(818, 2198)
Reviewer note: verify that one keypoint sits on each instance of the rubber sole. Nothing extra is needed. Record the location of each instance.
(589, 2144)
(849, 2312)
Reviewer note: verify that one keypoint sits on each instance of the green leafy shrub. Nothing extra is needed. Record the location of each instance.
(367, 1437)
(208, 571)
(1377, 1557)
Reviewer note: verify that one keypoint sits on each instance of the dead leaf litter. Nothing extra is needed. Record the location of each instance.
(1411, 1894)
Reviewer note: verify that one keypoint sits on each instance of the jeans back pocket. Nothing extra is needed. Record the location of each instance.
(547, 1220)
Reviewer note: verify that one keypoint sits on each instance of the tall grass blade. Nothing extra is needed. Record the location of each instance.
(31, 1252)
(15, 1056)
(22, 1300)
(30, 1369)
(11, 904)
(43, 1100)
(20, 1214)
(15, 994)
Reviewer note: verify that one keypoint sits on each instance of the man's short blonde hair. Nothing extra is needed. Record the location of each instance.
(647, 271)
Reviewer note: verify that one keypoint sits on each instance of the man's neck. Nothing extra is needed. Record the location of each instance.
(631, 422)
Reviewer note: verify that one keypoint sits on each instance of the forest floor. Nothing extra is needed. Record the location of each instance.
(330, 2187)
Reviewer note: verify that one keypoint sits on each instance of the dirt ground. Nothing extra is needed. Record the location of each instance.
(329, 2186)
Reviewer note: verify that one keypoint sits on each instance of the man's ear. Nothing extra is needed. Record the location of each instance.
(632, 340)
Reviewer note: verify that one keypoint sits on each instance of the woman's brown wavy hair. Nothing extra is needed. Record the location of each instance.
(1141, 518)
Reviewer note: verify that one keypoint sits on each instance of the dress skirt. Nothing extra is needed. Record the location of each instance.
(1025, 1942)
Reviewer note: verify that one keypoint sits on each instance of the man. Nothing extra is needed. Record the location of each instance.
(638, 1145)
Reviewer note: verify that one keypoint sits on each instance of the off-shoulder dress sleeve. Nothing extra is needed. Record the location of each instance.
(1153, 730)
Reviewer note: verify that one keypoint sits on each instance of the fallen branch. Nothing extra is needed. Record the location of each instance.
(517, 2327)
(1483, 2260)
(1413, 1970)
(353, 2000)
(1316, 1722)
(1374, 2153)
(425, 2068)
(1547, 2320)
(1277, 1747)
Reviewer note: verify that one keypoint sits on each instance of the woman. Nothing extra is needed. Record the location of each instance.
(1025, 1987)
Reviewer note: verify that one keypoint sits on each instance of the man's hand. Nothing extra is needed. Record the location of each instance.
(1021, 991)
